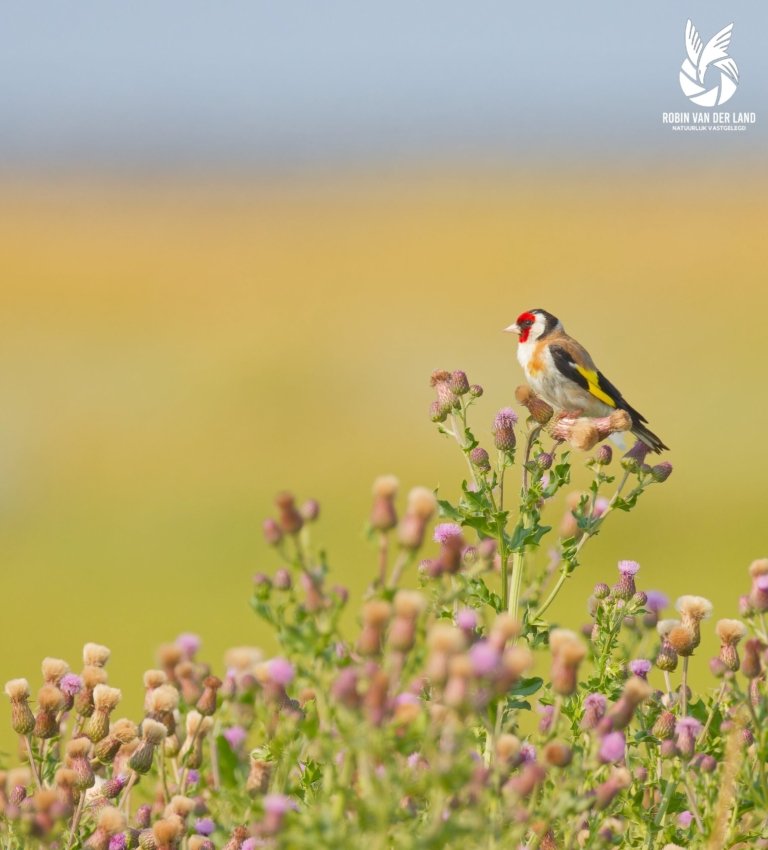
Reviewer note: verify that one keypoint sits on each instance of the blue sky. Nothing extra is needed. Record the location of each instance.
(177, 83)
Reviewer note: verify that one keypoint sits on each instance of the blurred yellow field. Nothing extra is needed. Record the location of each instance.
(173, 354)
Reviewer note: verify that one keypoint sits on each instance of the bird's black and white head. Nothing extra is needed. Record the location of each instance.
(535, 324)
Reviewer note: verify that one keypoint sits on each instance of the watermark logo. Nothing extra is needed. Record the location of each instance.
(701, 58)
(709, 78)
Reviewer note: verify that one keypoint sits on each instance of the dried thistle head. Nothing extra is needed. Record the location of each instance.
(93, 675)
(154, 678)
(54, 669)
(180, 805)
(17, 690)
(730, 632)
(50, 698)
(111, 820)
(95, 654)
(759, 568)
(167, 830)
(421, 503)
(77, 748)
(376, 613)
(664, 627)
(162, 699)
(106, 698)
(152, 731)
(125, 730)
(694, 608)
(409, 604)
(197, 724)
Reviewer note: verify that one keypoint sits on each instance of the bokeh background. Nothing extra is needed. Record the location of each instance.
(237, 238)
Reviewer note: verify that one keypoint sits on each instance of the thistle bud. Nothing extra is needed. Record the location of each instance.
(259, 775)
(539, 410)
(310, 510)
(92, 675)
(601, 590)
(459, 383)
(664, 727)
(152, 734)
(112, 788)
(544, 461)
(625, 587)
(661, 471)
(50, 700)
(594, 710)
(730, 633)
(751, 666)
(475, 390)
(558, 754)
(758, 595)
(22, 719)
(686, 730)
(290, 520)
(420, 508)
(479, 458)
(105, 700)
(504, 430)
(78, 761)
(567, 654)
(383, 514)
(604, 454)
(531, 775)
(282, 579)
(272, 532)
(206, 705)
(635, 692)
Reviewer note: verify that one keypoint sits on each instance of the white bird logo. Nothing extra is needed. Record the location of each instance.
(700, 57)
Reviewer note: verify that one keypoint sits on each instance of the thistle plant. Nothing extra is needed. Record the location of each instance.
(455, 713)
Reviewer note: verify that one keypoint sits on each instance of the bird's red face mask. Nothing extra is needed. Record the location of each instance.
(523, 325)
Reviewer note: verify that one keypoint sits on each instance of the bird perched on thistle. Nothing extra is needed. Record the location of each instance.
(560, 371)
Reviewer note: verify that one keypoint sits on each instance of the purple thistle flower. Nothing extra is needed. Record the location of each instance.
(505, 418)
(640, 667)
(656, 601)
(235, 736)
(612, 747)
(466, 619)
(761, 582)
(688, 724)
(252, 844)
(70, 684)
(684, 819)
(628, 568)
(596, 702)
(601, 506)
(118, 842)
(189, 643)
(484, 658)
(527, 753)
(414, 760)
(281, 671)
(445, 531)
(504, 429)
(193, 777)
(547, 712)
(278, 804)
(204, 826)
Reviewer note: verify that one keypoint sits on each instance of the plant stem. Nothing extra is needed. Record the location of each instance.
(715, 704)
(76, 818)
(684, 687)
(32, 762)
(383, 553)
(565, 571)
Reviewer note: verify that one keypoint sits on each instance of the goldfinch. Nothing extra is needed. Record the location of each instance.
(560, 370)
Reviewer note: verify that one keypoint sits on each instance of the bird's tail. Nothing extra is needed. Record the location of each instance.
(647, 436)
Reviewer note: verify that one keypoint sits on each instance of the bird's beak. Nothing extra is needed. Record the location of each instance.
(512, 329)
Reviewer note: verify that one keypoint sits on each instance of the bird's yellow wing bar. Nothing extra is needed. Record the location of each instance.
(592, 377)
